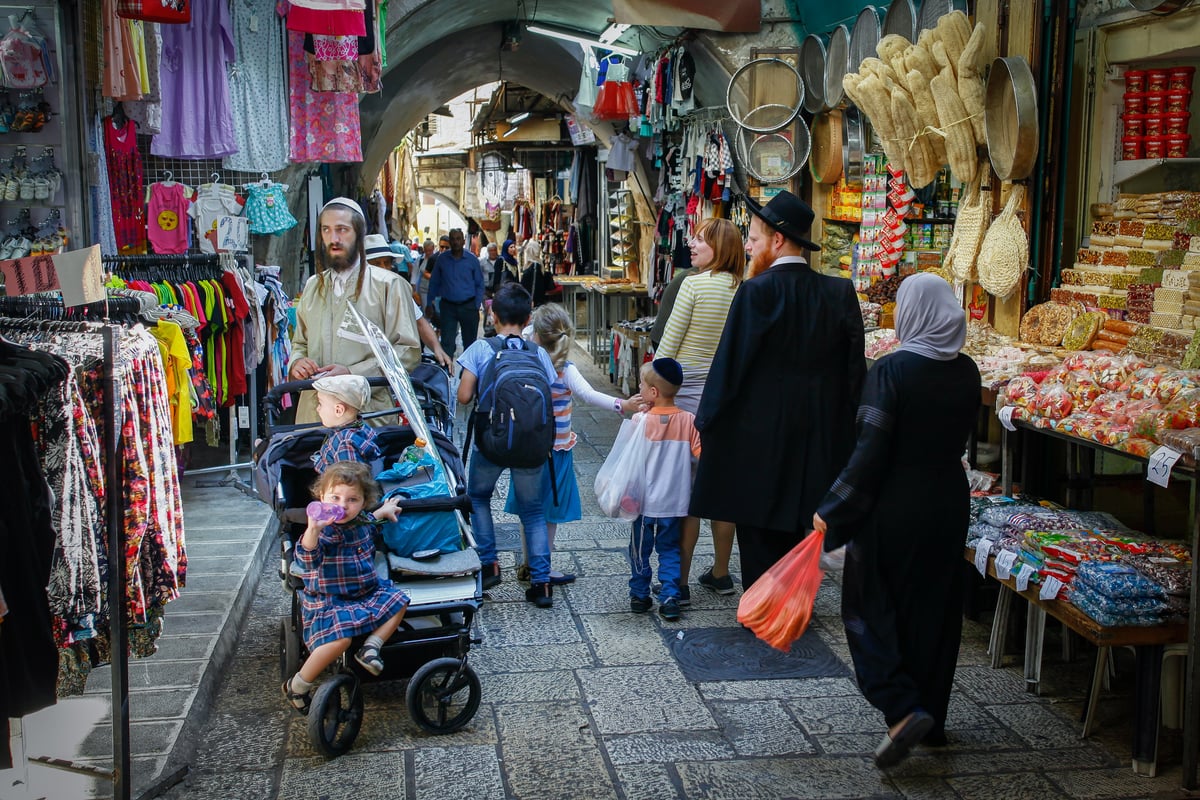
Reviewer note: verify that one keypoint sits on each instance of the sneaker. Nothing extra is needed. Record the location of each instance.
(368, 658)
(561, 578)
(669, 610)
(685, 595)
(722, 585)
(541, 595)
(640, 605)
(491, 575)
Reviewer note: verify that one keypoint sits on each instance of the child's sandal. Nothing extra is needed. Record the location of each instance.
(297, 700)
(368, 658)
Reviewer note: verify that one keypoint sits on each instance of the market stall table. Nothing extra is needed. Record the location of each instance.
(1148, 642)
(601, 298)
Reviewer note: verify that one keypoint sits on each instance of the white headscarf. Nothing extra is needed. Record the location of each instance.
(929, 319)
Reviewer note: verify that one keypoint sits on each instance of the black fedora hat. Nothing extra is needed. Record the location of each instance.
(787, 214)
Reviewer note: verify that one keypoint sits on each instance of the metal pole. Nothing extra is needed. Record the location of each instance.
(119, 645)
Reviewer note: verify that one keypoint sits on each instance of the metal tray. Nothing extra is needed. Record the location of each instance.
(933, 10)
(853, 146)
(1011, 118)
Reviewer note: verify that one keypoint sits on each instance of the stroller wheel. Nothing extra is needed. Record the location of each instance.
(336, 715)
(443, 695)
(289, 650)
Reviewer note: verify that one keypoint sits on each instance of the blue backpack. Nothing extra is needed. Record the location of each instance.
(514, 412)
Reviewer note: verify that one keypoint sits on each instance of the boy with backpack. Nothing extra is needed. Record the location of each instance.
(513, 423)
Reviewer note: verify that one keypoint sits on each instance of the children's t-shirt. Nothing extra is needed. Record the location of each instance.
(476, 357)
(166, 224)
(208, 207)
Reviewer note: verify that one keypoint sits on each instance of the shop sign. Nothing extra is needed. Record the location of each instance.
(580, 134)
(77, 274)
(1158, 469)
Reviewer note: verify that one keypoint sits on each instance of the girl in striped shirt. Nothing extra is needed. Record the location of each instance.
(552, 331)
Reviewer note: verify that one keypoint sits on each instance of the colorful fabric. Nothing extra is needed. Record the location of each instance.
(325, 126)
(126, 190)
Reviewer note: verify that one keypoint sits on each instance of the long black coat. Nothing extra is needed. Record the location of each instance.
(776, 420)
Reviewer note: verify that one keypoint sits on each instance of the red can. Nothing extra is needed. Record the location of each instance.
(1178, 101)
(1156, 103)
(1135, 124)
(1176, 124)
(1135, 102)
(1178, 146)
(1153, 124)
(1135, 80)
(1157, 80)
(1132, 147)
(1179, 79)
(1154, 147)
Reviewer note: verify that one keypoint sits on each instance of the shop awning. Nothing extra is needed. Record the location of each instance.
(731, 16)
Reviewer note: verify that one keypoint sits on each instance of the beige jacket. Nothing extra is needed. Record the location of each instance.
(327, 333)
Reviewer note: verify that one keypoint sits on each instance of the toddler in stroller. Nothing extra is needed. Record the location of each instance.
(343, 597)
(434, 634)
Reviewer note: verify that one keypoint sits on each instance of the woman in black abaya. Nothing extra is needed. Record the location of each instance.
(901, 507)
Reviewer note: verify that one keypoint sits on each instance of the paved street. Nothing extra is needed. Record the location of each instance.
(589, 701)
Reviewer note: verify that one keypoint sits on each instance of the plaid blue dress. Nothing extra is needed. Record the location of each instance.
(343, 596)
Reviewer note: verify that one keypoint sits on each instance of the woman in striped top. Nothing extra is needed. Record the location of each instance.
(691, 337)
(552, 331)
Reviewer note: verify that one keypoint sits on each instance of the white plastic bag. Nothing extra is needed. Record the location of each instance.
(621, 481)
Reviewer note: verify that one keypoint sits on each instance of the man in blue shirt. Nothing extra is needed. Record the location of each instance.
(457, 283)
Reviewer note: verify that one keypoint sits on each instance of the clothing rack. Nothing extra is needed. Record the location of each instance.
(114, 503)
(159, 267)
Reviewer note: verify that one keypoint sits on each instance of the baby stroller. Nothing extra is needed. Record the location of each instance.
(445, 591)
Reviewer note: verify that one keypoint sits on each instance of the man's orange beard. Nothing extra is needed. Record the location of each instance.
(761, 262)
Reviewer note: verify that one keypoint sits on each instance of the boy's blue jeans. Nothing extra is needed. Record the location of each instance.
(651, 534)
(527, 485)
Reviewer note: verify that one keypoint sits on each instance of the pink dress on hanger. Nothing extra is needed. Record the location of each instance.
(325, 125)
(125, 188)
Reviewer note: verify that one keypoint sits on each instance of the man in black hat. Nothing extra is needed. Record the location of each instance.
(776, 419)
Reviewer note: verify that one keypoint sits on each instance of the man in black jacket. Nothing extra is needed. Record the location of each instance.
(777, 417)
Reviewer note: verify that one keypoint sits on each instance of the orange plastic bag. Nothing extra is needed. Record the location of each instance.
(778, 607)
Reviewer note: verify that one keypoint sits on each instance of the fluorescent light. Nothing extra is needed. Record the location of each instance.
(509, 132)
(613, 32)
(517, 119)
(570, 36)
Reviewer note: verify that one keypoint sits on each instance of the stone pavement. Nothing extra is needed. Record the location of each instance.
(587, 701)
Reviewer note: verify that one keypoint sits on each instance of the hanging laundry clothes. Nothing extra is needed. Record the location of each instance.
(197, 119)
(126, 191)
(258, 88)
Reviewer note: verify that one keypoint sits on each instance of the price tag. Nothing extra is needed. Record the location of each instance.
(1005, 414)
(981, 555)
(243, 417)
(1004, 564)
(1023, 576)
(1050, 588)
(254, 23)
(1158, 471)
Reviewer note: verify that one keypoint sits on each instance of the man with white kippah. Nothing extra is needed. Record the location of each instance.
(328, 341)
